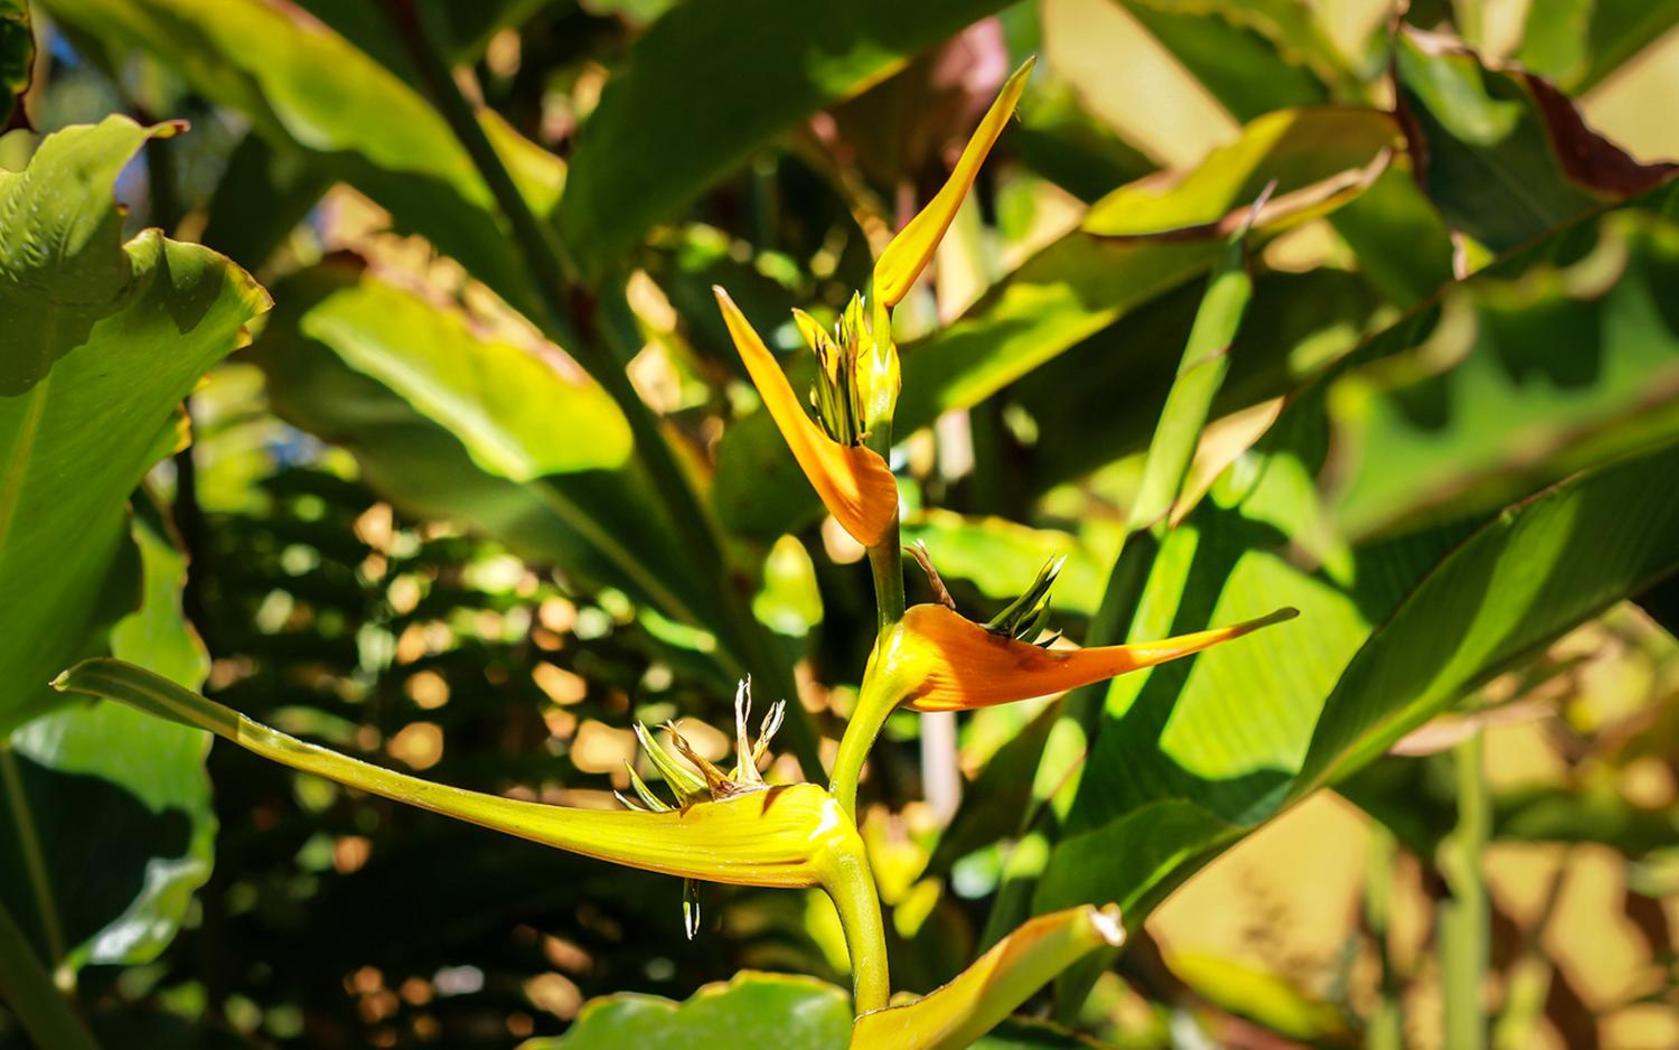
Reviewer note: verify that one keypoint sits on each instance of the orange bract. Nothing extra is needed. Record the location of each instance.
(961, 665)
(854, 482)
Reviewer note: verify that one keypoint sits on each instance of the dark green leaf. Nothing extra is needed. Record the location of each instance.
(1504, 155)
(655, 142)
(753, 1009)
(17, 59)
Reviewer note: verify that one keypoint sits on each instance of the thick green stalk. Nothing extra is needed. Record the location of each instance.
(27, 990)
(1465, 917)
(849, 883)
(554, 275)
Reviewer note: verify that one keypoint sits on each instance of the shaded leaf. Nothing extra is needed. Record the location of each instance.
(113, 806)
(1577, 43)
(1504, 155)
(307, 88)
(654, 143)
(17, 59)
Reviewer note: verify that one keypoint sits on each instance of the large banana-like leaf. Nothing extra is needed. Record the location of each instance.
(1136, 244)
(306, 88)
(1189, 758)
(103, 340)
(655, 143)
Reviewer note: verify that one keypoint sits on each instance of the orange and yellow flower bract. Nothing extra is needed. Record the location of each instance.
(959, 665)
(936, 659)
(913, 247)
(854, 482)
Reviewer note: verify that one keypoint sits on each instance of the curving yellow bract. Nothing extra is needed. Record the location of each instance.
(787, 836)
(952, 1016)
(912, 249)
(854, 482)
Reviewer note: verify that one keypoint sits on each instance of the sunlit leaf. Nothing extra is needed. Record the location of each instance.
(97, 330)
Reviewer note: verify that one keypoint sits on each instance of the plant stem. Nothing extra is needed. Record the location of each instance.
(27, 989)
(557, 292)
(1464, 918)
(850, 885)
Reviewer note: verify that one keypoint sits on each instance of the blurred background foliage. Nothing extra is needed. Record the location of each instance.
(409, 524)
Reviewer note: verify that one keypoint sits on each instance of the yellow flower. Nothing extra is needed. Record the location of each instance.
(958, 1013)
(734, 830)
(857, 377)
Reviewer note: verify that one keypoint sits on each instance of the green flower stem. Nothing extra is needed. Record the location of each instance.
(850, 885)
(555, 277)
(28, 991)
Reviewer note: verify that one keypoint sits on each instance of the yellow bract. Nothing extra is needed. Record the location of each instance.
(912, 249)
(854, 482)
(956, 1014)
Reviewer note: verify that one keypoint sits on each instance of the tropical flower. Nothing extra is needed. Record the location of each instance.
(729, 828)
(857, 378)
(936, 659)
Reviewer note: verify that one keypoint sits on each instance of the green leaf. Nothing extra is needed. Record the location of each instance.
(751, 1009)
(1538, 570)
(1191, 756)
(1576, 43)
(98, 331)
(521, 411)
(1138, 243)
(1237, 50)
(1506, 157)
(1545, 363)
(17, 59)
(110, 826)
(655, 142)
(306, 88)
(603, 526)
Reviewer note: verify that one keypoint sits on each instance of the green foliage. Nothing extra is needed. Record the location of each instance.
(125, 330)
(1398, 351)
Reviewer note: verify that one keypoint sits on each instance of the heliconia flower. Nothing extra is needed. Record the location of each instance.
(912, 249)
(936, 659)
(854, 481)
(731, 829)
(976, 1000)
